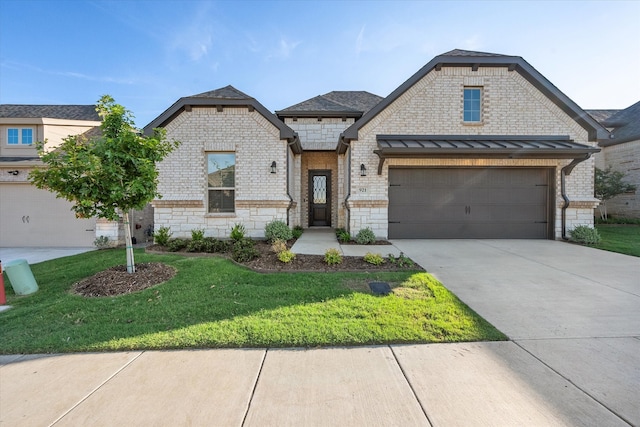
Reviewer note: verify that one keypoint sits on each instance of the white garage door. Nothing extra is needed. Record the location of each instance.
(33, 217)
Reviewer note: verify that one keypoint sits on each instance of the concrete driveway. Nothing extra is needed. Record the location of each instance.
(575, 309)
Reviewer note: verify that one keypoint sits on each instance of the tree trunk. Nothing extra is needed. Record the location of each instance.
(131, 267)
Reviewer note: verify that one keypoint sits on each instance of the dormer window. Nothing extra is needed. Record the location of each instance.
(20, 136)
(472, 104)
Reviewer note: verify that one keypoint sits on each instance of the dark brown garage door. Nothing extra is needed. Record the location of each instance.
(482, 203)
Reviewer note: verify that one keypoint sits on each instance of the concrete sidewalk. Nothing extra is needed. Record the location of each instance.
(468, 384)
(317, 240)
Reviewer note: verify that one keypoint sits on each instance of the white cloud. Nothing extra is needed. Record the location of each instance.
(360, 41)
(284, 48)
(473, 42)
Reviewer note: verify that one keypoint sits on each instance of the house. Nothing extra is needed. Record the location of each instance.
(621, 152)
(30, 216)
(33, 217)
(473, 145)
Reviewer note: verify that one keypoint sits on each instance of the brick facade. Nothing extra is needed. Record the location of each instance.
(260, 196)
(510, 106)
(625, 158)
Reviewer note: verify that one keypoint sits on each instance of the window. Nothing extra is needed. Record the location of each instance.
(221, 182)
(472, 102)
(17, 136)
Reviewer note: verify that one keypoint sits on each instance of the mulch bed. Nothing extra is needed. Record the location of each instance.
(116, 281)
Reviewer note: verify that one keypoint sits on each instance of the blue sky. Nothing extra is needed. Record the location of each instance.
(147, 54)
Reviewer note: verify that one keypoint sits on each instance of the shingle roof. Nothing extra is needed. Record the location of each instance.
(460, 52)
(601, 115)
(351, 103)
(625, 124)
(227, 92)
(67, 112)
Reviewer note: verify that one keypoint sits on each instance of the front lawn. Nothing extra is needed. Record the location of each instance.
(212, 302)
(624, 239)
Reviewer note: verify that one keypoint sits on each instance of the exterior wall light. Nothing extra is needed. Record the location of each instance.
(363, 170)
(14, 173)
(273, 167)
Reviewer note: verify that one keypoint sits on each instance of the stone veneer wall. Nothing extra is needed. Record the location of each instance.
(260, 196)
(625, 158)
(510, 106)
(319, 134)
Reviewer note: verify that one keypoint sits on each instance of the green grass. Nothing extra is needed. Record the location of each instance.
(624, 239)
(212, 302)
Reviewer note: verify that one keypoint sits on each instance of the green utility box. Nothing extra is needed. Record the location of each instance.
(20, 276)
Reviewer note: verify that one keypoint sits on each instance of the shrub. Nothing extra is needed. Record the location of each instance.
(297, 232)
(332, 256)
(162, 236)
(205, 244)
(277, 230)
(286, 256)
(197, 234)
(344, 237)
(279, 246)
(585, 235)
(102, 242)
(237, 232)
(365, 236)
(375, 259)
(402, 261)
(177, 244)
(220, 246)
(244, 250)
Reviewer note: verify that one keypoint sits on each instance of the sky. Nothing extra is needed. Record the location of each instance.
(148, 54)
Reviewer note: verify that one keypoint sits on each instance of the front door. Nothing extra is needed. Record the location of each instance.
(319, 198)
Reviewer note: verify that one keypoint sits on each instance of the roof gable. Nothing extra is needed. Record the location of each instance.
(227, 96)
(462, 58)
(64, 112)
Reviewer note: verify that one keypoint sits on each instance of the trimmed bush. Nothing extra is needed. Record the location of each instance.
(277, 230)
(585, 235)
(402, 261)
(297, 232)
(286, 256)
(365, 236)
(332, 257)
(244, 250)
(375, 259)
(177, 244)
(102, 242)
(162, 236)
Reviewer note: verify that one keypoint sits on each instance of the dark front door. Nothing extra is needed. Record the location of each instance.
(319, 198)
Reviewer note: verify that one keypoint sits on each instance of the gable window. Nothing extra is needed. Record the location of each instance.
(16, 136)
(221, 182)
(472, 104)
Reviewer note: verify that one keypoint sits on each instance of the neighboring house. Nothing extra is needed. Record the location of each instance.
(29, 216)
(622, 153)
(33, 217)
(474, 145)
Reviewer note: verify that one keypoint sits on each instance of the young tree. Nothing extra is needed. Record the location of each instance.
(608, 184)
(108, 174)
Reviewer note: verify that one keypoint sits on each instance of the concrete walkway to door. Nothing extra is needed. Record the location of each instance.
(573, 308)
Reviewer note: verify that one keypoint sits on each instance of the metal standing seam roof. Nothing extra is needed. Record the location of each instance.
(479, 146)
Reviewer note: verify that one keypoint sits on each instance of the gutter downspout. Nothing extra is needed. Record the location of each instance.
(563, 173)
(289, 144)
(346, 200)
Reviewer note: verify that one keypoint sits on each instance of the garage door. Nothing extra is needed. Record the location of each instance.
(33, 217)
(456, 203)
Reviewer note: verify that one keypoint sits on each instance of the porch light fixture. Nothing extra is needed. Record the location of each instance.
(14, 173)
(363, 170)
(273, 167)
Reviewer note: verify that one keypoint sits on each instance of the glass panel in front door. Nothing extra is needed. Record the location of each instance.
(319, 189)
